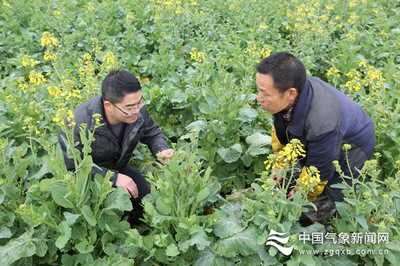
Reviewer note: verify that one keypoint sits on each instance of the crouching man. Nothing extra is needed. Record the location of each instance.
(322, 118)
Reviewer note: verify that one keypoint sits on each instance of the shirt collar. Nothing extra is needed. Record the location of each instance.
(288, 114)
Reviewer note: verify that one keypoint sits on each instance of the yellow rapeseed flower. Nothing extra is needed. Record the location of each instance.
(352, 18)
(197, 56)
(109, 58)
(70, 115)
(263, 26)
(48, 55)
(36, 78)
(346, 147)
(28, 61)
(53, 90)
(333, 71)
(129, 17)
(289, 153)
(265, 52)
(48, 40)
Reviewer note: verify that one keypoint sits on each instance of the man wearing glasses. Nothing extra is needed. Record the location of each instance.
(125, 121)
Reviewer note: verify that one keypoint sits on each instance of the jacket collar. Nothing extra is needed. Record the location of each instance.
(97, 108)
(300, 112)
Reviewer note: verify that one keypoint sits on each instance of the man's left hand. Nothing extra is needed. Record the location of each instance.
(291, 194)
(166, 154)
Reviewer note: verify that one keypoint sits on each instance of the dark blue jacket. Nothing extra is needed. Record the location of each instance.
(324, 119)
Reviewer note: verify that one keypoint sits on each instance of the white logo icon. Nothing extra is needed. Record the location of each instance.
(282, 240)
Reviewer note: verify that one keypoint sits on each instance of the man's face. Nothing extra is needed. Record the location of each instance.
(270, 98)
(126, 111)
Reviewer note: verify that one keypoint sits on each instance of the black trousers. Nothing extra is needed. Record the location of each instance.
(326, 209)
(142, 185)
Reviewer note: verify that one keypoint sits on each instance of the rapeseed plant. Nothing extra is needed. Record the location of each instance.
(48, 40)
(197, 56)
(36, 78)
(28, 61)
(49, 56)
(310, 182)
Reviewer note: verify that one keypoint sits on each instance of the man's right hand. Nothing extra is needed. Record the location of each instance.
(128, 184)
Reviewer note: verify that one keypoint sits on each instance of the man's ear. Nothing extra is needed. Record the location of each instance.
(292, 94)
(107, 106)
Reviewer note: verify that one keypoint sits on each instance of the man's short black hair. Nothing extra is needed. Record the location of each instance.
(286, 70)
(117, 84)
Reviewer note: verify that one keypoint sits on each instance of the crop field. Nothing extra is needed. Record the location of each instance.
(214, 203)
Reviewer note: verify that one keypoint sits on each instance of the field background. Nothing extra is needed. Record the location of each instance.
(196, 62)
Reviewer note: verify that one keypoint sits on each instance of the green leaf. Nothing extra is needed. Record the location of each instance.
(148, 207)
(257, 151)
(232, 154)
(199, 239)
(309, 260)
(65, 230)
(247, 114)
(339, 260)
(197, 125)
(219, 128)
(361, 220)
(229, 222)
(119, 200)
(88, 214)
(5, 232)
(10, 190)
(244, 243)
(342, 210)
(205, 258)
(71, 217)
(161, 207)
(18, 248)
(41, 247)
(115, 260)
(172, 250)
(205, 108)
(179, 96)
(61, 196)
(258, 140)
(45, 184)
(203, 194)
(108, 247)
(84, 247)
(44, 170)
(212, 101)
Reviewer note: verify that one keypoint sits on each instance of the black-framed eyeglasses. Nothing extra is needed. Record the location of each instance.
(139, 106)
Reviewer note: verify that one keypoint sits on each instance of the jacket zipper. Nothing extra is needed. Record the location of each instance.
(116, 143)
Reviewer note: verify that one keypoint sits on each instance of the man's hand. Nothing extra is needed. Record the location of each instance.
(128, 184)
(274, 172)
(166, 154)
(291, 194)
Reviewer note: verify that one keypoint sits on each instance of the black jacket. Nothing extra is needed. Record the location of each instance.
(106, 151)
